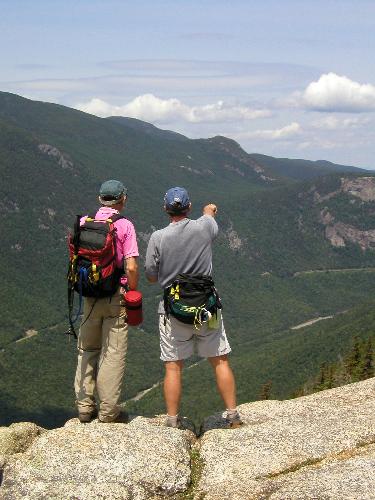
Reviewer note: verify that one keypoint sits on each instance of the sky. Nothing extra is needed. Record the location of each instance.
(287, 78)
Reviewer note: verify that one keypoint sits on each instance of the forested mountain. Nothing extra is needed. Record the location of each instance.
(280, 226)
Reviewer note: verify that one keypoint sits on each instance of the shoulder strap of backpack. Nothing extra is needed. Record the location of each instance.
(115, 217)
(72, 269)
(90, 217)
(77, 232)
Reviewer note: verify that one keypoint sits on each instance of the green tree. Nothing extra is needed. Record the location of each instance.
(321, 379)
(330, 377)
(353, 359)
(265, 390)
(368, 362)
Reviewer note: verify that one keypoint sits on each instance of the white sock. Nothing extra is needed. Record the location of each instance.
(232, 414)
(172, 420)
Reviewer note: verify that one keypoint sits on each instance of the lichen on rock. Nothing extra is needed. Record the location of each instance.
(18, 437)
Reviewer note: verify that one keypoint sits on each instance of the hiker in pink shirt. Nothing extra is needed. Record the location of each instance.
(126, 240)
(102, 339)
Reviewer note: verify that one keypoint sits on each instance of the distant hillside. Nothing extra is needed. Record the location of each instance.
(303, 169)
(52, 161)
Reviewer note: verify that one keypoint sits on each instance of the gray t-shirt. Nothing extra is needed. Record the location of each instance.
(181, 247)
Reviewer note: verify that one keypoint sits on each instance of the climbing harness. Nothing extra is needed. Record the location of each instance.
(192, 299)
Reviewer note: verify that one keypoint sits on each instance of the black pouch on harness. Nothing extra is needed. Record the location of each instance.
(192, 299)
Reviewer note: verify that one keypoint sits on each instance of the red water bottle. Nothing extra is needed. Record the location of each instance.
(133, 304)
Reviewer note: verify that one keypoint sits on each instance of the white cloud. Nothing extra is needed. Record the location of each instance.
(318, 143)
(338, 93)
(332, 122)
(290, 130)
(150, 108)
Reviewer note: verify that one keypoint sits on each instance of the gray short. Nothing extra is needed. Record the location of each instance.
(177, 339)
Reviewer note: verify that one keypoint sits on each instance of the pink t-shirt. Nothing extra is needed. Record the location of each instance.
(126, 240)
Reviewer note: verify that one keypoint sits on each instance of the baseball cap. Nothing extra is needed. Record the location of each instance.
(111, 192)
(176, 199)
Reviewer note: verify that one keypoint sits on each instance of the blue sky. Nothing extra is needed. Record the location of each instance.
(286, 78)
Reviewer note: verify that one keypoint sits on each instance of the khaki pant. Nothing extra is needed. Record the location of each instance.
(102, 345)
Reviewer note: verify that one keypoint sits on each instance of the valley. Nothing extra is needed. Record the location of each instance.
(276, 262)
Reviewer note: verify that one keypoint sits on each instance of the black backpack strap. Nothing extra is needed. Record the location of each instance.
(71, 330)
(77, 233)
(167, 308)
(166, 301)
(89, 218)
(113, 218)
(116, 217)
(76, 240)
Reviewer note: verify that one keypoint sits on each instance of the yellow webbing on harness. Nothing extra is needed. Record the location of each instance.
(94, 274)
(72, 274)
(175, 293)
(198, 317)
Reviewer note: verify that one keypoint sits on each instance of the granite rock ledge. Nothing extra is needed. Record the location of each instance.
(320, 446)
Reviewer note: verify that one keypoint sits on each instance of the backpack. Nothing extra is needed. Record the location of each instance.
(92, 270)
(192, 299)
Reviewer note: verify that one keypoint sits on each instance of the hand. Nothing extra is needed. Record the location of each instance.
(210, 209)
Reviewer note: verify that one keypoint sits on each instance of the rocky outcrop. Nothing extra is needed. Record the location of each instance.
(8, 206)
(320, 446)
(360, 187)
(205, 171)
(14, 439)
(110, 461)
(234, 240)
(17, 438)
(62, 159)
(236, 170)
(339, 233)
(361, 191)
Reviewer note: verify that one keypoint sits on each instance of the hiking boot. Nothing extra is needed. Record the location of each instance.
(86, 416)
(122, 418)
(178, 423)
(173, 422)
(233, 420)
(235, 424)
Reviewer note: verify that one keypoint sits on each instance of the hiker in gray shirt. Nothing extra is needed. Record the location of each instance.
(185, 247)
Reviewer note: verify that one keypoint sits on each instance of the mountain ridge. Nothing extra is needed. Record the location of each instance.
(52, 160)
(11, 102)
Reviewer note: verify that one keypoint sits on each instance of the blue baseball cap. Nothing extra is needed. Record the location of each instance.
(176, 199)
(111, 192)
